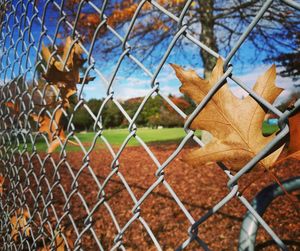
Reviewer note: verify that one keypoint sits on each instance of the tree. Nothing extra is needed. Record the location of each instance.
(94, 105)
(290, 60)
(82, 120)
(111, 116)
(218, 24)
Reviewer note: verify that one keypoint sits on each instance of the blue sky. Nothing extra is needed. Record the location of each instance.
(132, 82)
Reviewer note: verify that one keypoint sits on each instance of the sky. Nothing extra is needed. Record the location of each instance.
(132, 82)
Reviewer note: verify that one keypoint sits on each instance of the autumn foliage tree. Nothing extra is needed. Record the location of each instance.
(218, 24)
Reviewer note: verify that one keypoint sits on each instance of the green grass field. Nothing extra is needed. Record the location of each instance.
(117, 136)
(269, 129)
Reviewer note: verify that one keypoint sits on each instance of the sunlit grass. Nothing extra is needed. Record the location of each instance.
(116, 137)
(269, 129)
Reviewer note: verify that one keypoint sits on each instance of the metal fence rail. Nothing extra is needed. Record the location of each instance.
(29, 205)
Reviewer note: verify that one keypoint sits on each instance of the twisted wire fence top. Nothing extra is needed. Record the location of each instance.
(46, 202)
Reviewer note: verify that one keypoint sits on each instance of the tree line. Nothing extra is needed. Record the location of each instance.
(156, 112)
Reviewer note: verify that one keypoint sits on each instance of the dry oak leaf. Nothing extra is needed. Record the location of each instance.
(19, 224)
(236, 124)
(64, 80)
(54, 130)
(1, 184)
(74, 58)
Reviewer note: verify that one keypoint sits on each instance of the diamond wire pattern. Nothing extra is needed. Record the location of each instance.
(29, 189)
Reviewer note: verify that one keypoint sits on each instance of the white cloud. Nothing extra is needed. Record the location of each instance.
(129, 92)
(139, 86)
(174, 90)
(90, 88)
(131, 81)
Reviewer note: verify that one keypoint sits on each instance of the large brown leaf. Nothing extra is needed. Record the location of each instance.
(236, 124)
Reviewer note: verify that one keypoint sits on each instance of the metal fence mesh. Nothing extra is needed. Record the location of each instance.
(44, 199)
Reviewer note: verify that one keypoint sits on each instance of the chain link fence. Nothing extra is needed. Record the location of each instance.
(44, 198)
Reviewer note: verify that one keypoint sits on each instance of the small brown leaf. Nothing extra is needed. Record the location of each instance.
(19, 224)
(1, 184)
(235, 124)
(61, 243)
(14, 107)
(55, 143)
(54, 130)
(87, 80)
(45, 126)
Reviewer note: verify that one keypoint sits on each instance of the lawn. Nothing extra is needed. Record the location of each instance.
(117, 136)
(269, 129)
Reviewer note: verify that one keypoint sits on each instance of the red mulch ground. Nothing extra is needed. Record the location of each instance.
(198, 188)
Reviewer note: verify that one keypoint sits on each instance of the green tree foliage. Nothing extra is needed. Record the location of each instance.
(82, 119)
(112, 116)
(155, 113)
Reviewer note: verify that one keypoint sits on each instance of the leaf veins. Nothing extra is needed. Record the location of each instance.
(236, 124)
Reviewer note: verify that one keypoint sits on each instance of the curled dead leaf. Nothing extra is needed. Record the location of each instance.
(54, 130)
(19, 224)
(56, 73)
(45, 125)
(63, 241)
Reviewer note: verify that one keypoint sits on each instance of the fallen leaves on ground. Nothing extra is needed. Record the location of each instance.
(198, 191)
(236, 124)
